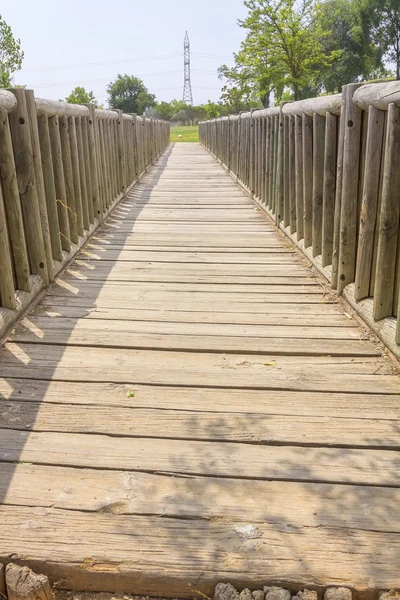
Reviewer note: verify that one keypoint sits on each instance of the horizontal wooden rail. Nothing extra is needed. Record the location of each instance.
(63, 167)
(326, 170)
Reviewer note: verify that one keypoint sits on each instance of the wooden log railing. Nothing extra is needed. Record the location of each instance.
(327, 171)
(63, 167)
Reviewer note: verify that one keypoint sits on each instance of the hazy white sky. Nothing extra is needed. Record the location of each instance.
(63, 43)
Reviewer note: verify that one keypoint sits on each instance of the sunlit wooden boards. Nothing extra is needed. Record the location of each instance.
(188, 404)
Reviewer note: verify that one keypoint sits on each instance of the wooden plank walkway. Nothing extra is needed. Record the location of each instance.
(186, 405)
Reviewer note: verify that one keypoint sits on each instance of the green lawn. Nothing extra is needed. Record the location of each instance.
(188, 134)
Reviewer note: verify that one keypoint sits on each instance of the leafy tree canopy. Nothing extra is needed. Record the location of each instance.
(295, 49)
(11, 55)
(385, 19)
(283, 49)
(129, 94)
(80, 96)
(349, 26)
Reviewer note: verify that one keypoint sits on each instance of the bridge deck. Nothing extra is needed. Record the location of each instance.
(187, 405)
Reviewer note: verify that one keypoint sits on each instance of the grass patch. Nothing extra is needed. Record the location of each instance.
(189, 134)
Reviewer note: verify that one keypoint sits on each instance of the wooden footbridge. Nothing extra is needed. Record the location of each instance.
(189, 401)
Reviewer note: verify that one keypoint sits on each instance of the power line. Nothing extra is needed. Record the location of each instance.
(212, 56)
(100, 64)
(87, 81)
(122, 60)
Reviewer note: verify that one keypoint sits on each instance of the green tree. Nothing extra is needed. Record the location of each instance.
(242, 89)
(349, 25)
(129, 94)
(164, 110)
(11, 55)
(283, 48)
(80, 96)
(385, 17)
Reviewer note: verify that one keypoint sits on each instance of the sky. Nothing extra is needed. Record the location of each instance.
(88, 42)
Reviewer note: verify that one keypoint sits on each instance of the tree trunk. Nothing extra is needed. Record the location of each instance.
(266, 100)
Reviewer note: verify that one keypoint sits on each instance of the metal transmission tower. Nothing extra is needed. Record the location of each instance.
(187, 86)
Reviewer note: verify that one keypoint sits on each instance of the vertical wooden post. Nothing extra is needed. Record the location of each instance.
(24, 162)
(114, 156)
(307, 178)
(338, 197)
(298, 129)
(274, 164)
(93, 170)
(76, 177)
(369, 202)
(37, 161)
(329, 183)
(103, 163)
(378, 210)
(292, 175)
(12, 205)
(263, 158)
(135, 148)
(126, 149)
(286, 182)
(86, 155)
(107, 156)
(7, 292)
(268, 163)
(318, 181)
(49, 186)
(69, 179)
(59, 183)
(82, 172)
(349, 211)
(389, 219)
(252, 134)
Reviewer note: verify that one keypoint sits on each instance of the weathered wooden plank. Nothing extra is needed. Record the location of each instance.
(299, 318)
(274, 255)
(117, 561)
(93, 300)
(145, 366)
(274, 418)
(273, 246)
(96, 295)
(330, 465)
(214, 216)
(259, 283)
(220, 241)
(292, 267)
(29, 327)
(110, 492)
(93, 252)
(293, 344)
(362, 404)
(255, 428)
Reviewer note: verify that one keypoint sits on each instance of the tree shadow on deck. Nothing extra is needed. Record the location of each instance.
(193, 488)
(26, 369)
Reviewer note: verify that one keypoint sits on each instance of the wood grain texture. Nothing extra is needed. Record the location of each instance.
(186, 377)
